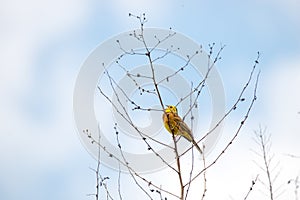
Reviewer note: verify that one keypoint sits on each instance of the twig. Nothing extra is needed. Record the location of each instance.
(127, 165)
(192, 157)
(253, 182)
(98, 170)
(99, 179)
(204, 175)
(263, 142)
(119, 183)
(167, 78)
(292, 155)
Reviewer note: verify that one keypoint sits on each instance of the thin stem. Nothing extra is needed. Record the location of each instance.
(178, 168)
(266, 163)
(253, 182)
(204, 175)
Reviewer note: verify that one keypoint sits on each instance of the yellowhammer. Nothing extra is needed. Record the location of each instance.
(175, 125)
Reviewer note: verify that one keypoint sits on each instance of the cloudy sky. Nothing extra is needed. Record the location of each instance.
(44, 43)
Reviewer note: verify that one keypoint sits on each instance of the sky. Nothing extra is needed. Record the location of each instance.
(43, 46)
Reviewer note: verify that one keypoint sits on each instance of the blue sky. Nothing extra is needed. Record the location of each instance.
(43, 45)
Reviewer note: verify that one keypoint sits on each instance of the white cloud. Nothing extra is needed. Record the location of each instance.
(31, 150)
(283, 104)
(47, 17)
(290, 8)
(24, 26)
(27, 147)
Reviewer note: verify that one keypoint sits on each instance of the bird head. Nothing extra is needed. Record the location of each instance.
(171, 109)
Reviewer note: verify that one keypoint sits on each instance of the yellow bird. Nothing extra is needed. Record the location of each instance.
(175, 125)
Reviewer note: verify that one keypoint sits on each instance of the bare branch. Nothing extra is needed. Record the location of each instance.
(123, 163)
(268, 166)
(253, 182)
(204, 175)
(263, 142)
(238, 101)
(237, 131)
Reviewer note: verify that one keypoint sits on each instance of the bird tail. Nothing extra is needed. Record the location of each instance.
(197, 146)
(190, 138)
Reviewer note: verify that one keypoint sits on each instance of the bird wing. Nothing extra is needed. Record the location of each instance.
(186, 132)
(183, 128)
